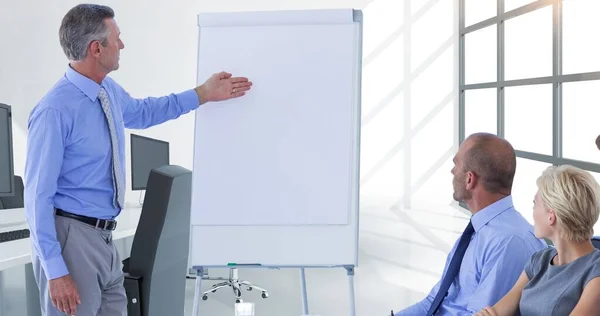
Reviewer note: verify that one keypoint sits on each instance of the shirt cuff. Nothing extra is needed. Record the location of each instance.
(55, 268)
(189, 100)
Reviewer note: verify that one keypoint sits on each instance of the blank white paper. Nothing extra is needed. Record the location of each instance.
(284, 153)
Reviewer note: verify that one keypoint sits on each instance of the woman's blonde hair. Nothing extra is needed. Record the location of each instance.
(574, 196)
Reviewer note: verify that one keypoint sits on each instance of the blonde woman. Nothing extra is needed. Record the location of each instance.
(564, 279)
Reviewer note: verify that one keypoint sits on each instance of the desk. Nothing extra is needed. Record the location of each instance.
(18, 252)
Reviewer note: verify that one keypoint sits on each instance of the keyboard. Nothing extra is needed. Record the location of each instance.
(14, 235)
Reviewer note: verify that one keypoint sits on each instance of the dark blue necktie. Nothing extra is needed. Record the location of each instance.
(452, 270)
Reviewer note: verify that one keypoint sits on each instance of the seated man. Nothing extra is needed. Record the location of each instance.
(487, 260)
(565, 279)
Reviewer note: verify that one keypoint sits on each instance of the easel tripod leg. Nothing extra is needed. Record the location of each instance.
(197, 291)
(350, 271)
(303, 290)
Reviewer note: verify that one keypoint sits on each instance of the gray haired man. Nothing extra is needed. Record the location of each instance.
(75, 166)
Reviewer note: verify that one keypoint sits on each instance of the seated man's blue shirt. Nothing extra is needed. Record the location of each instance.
(502, 244)
(69, 155)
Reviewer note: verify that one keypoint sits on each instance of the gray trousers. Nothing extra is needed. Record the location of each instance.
(93, 263)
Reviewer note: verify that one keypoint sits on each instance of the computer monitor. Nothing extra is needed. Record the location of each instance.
(7, 182)
(146, 154)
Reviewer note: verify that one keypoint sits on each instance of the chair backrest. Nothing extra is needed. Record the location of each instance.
(159, 253)
(596, 241)
(17, 200)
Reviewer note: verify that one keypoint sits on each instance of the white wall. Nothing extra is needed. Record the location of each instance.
(160, 56)
(409, 105)
(408, 82)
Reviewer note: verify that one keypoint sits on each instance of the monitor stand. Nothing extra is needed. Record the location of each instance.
(141, 199)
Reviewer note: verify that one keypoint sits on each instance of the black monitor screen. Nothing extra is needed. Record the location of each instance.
(6, 152)
(146, 154)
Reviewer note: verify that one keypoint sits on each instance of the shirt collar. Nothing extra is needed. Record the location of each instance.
(89, 87)
(488, 213)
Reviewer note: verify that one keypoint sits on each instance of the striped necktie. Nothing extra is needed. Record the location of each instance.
(117, 175)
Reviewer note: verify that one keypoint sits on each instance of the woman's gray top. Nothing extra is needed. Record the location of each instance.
(555, 290)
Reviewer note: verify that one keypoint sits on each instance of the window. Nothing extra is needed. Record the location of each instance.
(581, 113)
(525, 106)
(480, 55)
(510, 5)
(597, 225)
(528, 118)
(528, 45)
(525, 187)
(479, 10)
(480, 111)
(580, 48)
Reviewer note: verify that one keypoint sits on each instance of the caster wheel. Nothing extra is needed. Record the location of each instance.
(250, 289)
(204, 297)
(214, 291)
(238, 301)
(265, 294)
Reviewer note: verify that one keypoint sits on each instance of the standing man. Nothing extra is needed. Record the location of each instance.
(75, 168)
(487, 260)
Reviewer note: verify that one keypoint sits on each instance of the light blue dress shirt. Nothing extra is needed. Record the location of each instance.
(502, 244)
(68, 164)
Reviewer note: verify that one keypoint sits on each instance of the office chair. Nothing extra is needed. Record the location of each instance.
(236, 285)
(17, 200)
(155, 273)
(596, 242)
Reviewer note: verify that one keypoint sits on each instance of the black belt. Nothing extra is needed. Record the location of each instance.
(106, 224)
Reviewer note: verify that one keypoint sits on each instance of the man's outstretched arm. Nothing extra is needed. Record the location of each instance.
(151, 111)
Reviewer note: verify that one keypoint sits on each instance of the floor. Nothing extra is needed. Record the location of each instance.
(402, 253)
